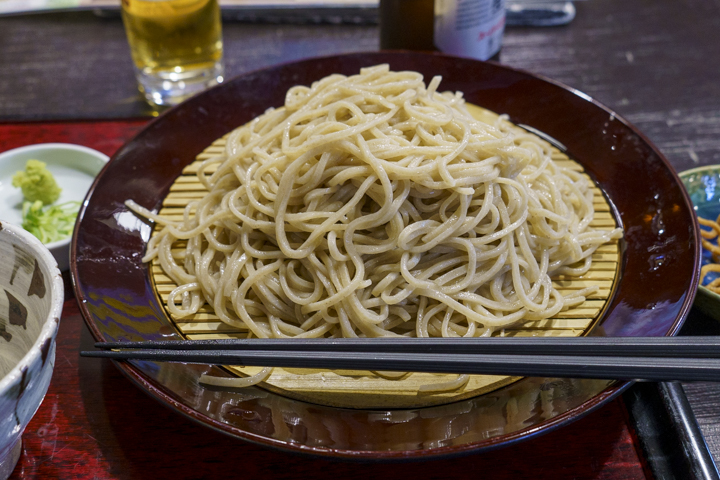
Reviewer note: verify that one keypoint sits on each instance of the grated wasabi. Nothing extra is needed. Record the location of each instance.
(37, 183)
(49, 223)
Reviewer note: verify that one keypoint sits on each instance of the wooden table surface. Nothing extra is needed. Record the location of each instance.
(655, 62)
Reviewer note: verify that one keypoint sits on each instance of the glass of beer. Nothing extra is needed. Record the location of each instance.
(176, 46)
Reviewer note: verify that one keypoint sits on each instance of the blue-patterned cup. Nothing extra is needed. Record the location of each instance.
(31, 300)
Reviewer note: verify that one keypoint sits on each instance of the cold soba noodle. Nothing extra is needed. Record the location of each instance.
(372, 206)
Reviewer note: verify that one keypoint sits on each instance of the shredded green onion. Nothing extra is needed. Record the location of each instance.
(50, 223)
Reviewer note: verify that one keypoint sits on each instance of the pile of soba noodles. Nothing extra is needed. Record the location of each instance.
(374, 205)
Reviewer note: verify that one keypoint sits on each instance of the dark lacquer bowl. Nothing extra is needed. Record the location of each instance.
(659, 274)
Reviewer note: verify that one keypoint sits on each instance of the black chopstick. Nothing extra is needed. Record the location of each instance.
(626, 368)
(696, 347)
(692, 359)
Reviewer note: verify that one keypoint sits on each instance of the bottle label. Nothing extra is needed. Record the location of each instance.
(469, 28)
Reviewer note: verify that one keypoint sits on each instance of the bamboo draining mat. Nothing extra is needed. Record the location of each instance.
(362, 389)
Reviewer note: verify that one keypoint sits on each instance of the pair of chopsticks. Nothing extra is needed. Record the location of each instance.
(623, 358)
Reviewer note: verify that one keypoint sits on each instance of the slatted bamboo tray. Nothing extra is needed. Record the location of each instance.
(363, 389)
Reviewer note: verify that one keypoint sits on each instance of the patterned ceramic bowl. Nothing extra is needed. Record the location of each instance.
(31, 299)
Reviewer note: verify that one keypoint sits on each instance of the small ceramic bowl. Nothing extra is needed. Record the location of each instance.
(703, 185)
(74, 168)
(31, 300)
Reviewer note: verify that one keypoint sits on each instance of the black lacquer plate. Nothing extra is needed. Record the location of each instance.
(659, 274)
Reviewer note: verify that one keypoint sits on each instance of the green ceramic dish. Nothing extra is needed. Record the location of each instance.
(703, 185)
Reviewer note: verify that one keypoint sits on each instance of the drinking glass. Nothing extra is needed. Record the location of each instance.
(176, 46)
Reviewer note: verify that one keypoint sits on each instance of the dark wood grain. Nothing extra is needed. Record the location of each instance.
(656, 62)
(704, 396)
(653, 61)
(77, 65)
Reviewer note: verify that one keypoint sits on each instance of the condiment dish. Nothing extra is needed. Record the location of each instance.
(703, 186)
(74, 168)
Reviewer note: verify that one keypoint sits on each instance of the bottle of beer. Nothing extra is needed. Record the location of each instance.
(406, 24)
(467, 28)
